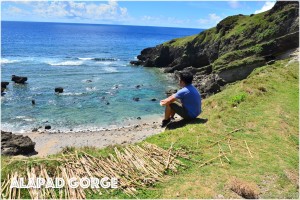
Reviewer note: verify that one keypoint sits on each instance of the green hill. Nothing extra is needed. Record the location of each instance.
(262, 110)
(231, 50)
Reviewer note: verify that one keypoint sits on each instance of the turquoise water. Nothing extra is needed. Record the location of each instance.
(91, 63)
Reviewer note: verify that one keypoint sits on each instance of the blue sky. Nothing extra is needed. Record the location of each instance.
(189, 14)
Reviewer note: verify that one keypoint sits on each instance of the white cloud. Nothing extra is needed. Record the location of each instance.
(210, 21)
(86, 11)
(234, 4)
(214, 17)
(267, 6)
(162, 21)
(15, 10)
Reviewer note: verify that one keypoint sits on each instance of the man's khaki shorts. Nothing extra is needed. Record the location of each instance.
(180, 110)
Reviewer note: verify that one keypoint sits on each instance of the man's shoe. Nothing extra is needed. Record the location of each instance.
(165, 122)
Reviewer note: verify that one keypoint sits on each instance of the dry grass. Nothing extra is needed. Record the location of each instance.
(244, 189)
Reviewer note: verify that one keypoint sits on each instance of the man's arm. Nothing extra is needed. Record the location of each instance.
(168, 100)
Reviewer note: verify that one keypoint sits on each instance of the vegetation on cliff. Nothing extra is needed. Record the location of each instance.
(238, 43)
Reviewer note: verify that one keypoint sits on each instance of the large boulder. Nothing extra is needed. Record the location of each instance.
(208, 84)
(3, 86)
(19, 79)
(12, 144)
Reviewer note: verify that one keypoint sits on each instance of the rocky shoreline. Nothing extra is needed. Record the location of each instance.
(49, 142)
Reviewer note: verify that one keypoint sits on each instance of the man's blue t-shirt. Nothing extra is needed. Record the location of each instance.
(190, 99)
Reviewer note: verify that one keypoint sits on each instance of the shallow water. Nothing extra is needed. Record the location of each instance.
(91, 63)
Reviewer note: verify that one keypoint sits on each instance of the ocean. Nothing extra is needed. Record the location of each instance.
(91, 63)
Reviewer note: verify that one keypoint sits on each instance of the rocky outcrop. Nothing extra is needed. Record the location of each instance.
(12, 144)
(19, 79)
(231, 50)
(59, 90)
(3, 86)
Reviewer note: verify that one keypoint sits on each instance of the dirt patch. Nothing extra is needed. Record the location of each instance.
(293, 176)
(244, 189)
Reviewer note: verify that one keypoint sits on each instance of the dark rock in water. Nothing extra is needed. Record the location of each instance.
(107, 103)
(59, 90)
(139, 118)
(136, 63)
(170, 92)
(136, 99)
(138, 86)
(271, 62)
(35, 130)
(4, 84)
(88, 81)
(47, 127)
(153, 99)
(12, 144)
(19, 79)
(33, 102)
(3, 91)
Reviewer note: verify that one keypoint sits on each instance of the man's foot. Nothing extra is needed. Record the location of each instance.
(165, 122)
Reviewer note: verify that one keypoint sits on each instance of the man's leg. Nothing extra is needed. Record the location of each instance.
(169, 113)
(178, 108)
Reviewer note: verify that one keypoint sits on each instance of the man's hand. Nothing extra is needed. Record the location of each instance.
(163, 102)
(168, 100)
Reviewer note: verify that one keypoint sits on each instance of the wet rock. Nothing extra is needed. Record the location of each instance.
(4, 84)
(12, 144)
(136, 99)
(139, 118)
(19, 79)
(33, 102)
(35, 130)
(47, 127)
(107, 103)
(88, 81)
(136, 63)
(138, 86)
(59, 90)
(153, 99)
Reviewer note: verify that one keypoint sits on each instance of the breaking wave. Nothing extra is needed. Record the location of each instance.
(110, 69)
(67, 63)
(99, 59)
(7, 61)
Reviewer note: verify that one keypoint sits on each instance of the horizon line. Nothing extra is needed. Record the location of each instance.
(104, 24)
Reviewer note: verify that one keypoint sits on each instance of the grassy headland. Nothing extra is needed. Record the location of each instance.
(262, 110)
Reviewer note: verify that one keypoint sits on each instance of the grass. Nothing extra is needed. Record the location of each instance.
(266, 117)
(180, 42)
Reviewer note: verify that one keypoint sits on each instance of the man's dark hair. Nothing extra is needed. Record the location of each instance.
(186, 77)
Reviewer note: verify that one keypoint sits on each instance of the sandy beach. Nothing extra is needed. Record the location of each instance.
(51, 142)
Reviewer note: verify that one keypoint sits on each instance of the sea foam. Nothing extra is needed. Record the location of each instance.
(67, 63)
(110, 69)
(7, 61)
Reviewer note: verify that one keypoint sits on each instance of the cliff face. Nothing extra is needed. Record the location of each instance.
(231, 50)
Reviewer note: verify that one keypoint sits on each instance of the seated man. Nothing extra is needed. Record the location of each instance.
(190, 106)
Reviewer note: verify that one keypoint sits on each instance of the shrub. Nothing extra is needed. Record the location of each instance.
(237, 99)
